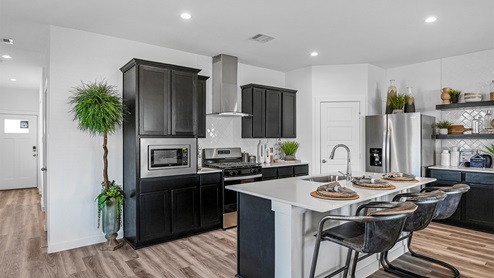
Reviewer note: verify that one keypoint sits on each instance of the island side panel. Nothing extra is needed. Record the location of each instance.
(256, 241)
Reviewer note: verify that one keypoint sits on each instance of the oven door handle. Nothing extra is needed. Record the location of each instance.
(242, 177)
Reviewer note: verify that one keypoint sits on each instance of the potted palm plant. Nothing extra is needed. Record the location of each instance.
(443, 126)
(289, 148)
(100, 111)
(397, 102)
(455, 96)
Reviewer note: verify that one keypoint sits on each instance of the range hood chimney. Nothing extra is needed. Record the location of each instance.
(225, 86)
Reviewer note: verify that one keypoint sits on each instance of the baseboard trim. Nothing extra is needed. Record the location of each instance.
(61, 246)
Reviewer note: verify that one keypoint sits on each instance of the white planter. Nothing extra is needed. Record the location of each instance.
(443, 131)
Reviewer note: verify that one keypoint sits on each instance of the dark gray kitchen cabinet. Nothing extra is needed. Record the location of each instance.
(210, 199)
(154, 214)
(166, 97)
(185, 209)
(201, 106)
(273, 112)
(476, 209)
(282, 172)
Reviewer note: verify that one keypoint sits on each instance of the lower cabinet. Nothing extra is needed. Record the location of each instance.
(476, 208)
(173, 207)
(284, 172)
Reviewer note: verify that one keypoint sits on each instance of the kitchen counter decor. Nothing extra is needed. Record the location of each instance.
(334, 191)
(371, 183)
(400, 177)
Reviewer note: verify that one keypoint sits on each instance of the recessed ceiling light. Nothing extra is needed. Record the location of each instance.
(6, 56)
(13, 79)
(430, 19)
(313, 54)
(185, 16)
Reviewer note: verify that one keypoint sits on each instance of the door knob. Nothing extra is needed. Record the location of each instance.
(43, 169)
(34, 154)
(324, 161)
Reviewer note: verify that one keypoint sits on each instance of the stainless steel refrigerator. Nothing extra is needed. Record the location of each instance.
(399, 143)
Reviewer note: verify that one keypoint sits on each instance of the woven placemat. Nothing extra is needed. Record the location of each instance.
(343, 198)
(373, 187)
(401, 180)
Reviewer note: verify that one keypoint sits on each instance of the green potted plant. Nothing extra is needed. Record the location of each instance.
(443, 126)
(289, 148)
(100, 111)
(397, 102)
(455, 96)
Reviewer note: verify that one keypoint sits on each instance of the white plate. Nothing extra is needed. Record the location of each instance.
(473, 99)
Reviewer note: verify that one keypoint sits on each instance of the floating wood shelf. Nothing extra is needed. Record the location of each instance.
(465, 105)
(465, 136)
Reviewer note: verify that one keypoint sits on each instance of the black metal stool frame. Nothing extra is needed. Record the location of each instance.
(364, 210)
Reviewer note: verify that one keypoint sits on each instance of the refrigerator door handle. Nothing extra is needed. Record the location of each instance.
(385, 153)
(387, 158)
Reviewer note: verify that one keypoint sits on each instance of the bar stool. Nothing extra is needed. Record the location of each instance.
(375, 228)
(426, 207)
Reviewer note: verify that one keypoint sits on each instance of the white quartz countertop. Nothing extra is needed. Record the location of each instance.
(283, 164)
(463, 169)
(206, 170)
(296, 191)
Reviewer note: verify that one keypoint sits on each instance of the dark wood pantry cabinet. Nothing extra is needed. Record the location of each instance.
(201, 106)
(165, 97)
(274, 112)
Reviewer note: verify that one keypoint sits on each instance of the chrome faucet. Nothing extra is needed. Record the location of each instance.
(348, 174)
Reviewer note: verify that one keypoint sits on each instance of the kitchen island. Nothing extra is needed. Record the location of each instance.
(278, 220)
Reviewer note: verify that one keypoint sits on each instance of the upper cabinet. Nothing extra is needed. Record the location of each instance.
(163, 97)
(273, 112)
(201, 106)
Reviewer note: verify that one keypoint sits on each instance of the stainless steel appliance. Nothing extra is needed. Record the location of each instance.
(399, 142)
(234, 172)
(168, 156)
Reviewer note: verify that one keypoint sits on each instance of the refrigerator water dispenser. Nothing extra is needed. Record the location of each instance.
(376, 155)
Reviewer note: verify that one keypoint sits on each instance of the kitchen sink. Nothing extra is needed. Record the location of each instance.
(326, 178)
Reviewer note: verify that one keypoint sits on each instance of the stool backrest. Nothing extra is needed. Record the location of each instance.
(382, 232)
(448, 206)
(426, 206)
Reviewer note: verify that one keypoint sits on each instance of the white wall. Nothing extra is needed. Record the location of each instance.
(15, 101)
(75, 158)
(376, 100)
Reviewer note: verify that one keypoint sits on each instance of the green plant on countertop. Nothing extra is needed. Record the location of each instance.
(454, 93)
(289, 147)
(490, 148)
(115, 194)
(397, 101)
(442, 124)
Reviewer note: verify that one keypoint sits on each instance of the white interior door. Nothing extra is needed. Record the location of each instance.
(18, 151)
(340, 124)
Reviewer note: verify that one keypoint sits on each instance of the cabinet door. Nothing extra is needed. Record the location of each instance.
(184, 103)
(273, 114)
(258, 113)
(210, 204)
(285, 172)
(300, 170)
(289, 116)
(185, 211)
(479, 208)
(154, 98)
(154, 215)
(269, 174)
(201, 107)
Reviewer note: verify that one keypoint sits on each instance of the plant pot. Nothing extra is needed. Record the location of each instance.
(454, 99)
(443, 131)
(290, 157)
(110, 224)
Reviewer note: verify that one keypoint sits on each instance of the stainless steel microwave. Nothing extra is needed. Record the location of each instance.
(168, 156)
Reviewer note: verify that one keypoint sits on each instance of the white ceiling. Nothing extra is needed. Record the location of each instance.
(385, 33)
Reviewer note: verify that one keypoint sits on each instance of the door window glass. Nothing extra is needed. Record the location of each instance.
(16, 126)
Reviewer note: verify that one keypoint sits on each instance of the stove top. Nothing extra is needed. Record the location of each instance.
(232, 165)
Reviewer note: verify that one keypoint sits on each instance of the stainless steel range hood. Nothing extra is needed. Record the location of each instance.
(225, 96)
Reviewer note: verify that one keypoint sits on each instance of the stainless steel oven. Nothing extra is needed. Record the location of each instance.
(168, 156)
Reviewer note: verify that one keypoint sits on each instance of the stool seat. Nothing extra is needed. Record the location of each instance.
(375, 228)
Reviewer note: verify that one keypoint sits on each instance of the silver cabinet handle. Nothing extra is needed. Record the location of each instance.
(324, 161)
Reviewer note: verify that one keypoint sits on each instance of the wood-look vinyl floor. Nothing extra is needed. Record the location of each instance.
(212, 254)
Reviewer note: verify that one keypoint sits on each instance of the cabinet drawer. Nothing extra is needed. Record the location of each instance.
(214, 178)
(446, 175)
(268, 173)
(481, 178)
(285, 172)
(301, 170)
(166, 183)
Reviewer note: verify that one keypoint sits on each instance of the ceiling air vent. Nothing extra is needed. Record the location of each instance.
(8, 41)
(261, 38)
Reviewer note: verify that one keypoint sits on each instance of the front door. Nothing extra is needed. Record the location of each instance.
(18, 151)
(340, 124)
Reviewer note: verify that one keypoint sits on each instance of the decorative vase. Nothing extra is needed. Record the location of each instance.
(443, 131)
(391, 91)
(110, 224)
(410, 105)
(445, 95)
